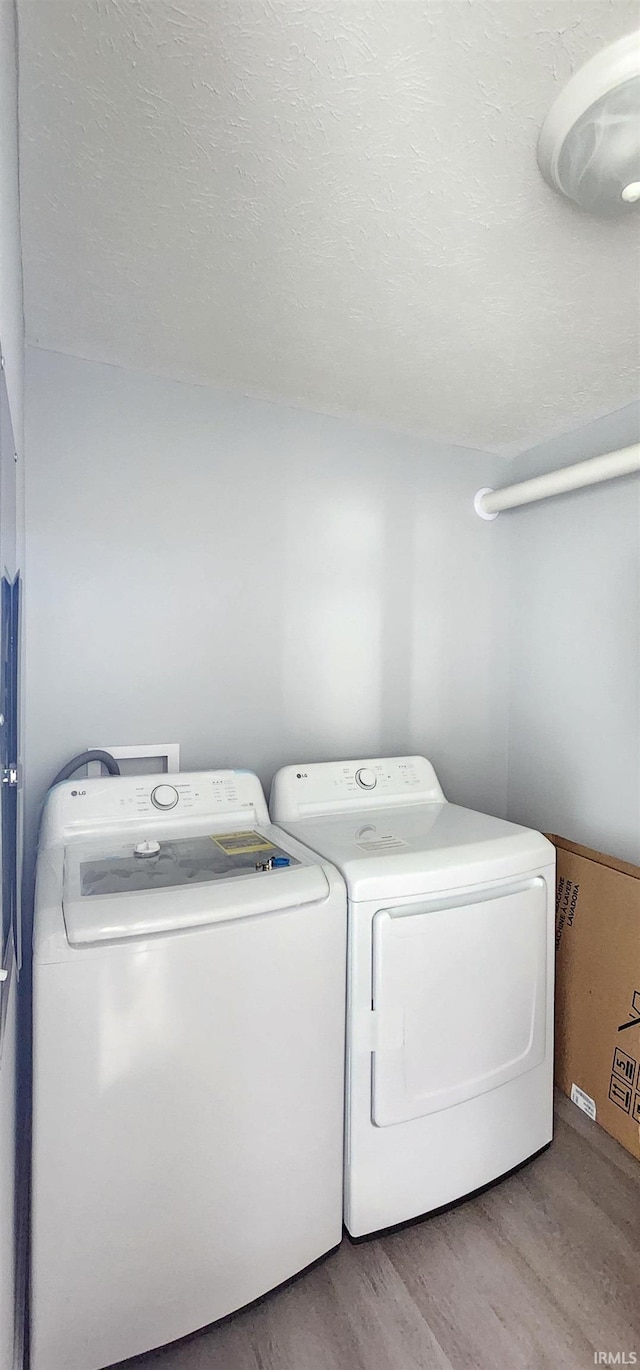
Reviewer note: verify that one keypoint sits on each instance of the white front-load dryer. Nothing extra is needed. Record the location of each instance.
(450, 982)
(188, 1014)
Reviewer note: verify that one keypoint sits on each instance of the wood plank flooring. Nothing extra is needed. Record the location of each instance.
(542, 1271)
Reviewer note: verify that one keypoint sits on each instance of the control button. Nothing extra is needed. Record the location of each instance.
(164, 797)
(366, 778)
(146, 849)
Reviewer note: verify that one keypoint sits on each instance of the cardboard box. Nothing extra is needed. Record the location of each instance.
(598, 988)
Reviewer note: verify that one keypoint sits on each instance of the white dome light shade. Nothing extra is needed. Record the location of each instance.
(589, 145)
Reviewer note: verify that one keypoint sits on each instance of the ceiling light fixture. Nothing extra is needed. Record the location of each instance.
(589, 145)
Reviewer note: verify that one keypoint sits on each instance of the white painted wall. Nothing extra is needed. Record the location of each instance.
(11, 318)
(574, 718)
(12, 348)
(267, 585)
(262, 584)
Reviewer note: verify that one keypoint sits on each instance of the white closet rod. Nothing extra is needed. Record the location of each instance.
(489, 503)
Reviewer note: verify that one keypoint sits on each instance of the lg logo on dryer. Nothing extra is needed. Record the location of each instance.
(75, 793)
(302, 775)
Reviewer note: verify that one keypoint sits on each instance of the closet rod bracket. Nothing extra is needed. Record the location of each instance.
(478, 504)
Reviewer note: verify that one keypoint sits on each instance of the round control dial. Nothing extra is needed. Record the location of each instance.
(366, 778)
(164, 797)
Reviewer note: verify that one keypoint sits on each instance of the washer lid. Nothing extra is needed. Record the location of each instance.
(421, 848)
(118, 888)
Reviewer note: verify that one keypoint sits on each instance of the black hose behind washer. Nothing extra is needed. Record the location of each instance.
(108, 761)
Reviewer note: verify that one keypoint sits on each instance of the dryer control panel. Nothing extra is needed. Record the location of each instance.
(337, 786)
(78, 806)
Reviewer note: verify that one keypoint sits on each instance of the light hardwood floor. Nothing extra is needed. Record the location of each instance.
(541, 1271)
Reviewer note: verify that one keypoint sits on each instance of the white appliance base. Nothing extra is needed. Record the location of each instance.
(402, 1174)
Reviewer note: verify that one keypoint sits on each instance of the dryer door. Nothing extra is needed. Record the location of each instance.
(459, 996)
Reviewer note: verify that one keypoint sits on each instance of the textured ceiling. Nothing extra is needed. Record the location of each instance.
(335, 204)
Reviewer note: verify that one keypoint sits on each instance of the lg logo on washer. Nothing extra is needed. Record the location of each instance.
(75, 793)
(302, 775)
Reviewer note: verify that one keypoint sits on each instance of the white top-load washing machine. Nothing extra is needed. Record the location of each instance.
(188, 1004)
(450, 982)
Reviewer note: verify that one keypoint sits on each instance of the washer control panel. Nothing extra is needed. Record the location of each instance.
(336, 786)
(79, 805)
